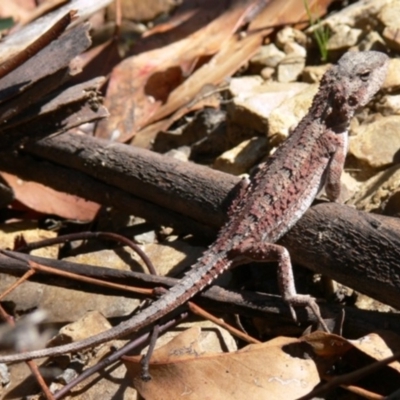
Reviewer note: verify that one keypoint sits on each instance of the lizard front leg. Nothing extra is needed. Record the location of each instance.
(335, 167)
(264, 251)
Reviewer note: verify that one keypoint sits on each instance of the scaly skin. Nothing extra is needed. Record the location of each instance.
(274, 199)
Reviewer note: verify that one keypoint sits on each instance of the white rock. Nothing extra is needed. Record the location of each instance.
(290, 112)
(295, 49)
(392, 81)
(267, 73)
(343, 37)
(389, 15)
(359, 14)
(377, 143)
(377, 191)
(313, 73)
(290, 35)
(254, 100)
(371, 41)
(90, 324)
(390, 105)
(241, 87)
(290, 68)
(268, 56)
(242, 157)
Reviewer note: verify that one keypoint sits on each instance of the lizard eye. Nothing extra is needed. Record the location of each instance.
(364, 76)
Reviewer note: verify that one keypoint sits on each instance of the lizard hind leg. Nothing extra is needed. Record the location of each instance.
(263, 252)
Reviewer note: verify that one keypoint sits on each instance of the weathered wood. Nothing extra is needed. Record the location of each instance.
(186, 188)
(54, 57)
(355, 248)
(250, 304)
(50, 114)
(71, 181)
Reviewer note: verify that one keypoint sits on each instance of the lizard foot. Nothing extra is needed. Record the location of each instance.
(303, 301)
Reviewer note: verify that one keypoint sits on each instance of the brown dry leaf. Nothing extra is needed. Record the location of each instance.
(235, 53)
(177, 20)
(379, 346)
(375, 345)
(98, 61)
(25, 11)
(229, 58)
(140, 84)
(264, 371)
(327, 345)
(139, 10)
(188, 19)
(16, 9)
(41, 10)
(283, 368)
(225, 63)
(352, 355)
(153, 85)
(49, 201)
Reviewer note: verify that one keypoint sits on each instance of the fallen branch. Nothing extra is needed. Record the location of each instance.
(357, 249)
(270, 307)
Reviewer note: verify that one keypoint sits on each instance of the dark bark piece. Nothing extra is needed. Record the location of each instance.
(74, 182)
(46, 38)
(322, 253)
(249, 304)
(66, 117)
(186, 188)
(11, 108)
(55, 56)
(55, 101)
(56, 113)
(355, 248)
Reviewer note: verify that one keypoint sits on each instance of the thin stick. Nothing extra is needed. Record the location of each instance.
(116, 356)
(236, 332)
(39, 378)
(86, 279)
(145, 361)
(91, 235)
(23, 278)
(350, 377)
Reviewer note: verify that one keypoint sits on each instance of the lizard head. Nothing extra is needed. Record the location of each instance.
(356, 78)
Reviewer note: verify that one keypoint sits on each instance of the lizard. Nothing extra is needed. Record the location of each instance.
(272, 200)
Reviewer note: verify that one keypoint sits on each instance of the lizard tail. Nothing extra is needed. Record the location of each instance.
(200, 276)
